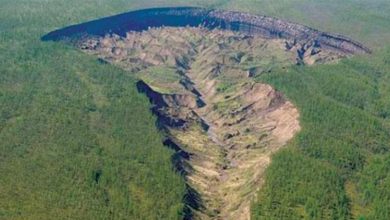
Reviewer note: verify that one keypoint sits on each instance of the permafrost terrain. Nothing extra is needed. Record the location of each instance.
(200, 78)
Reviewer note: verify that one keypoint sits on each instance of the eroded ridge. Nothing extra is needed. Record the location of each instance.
(224, 125)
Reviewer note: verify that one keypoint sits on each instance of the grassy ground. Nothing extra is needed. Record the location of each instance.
(77, 141)
(337, 166)
(364, 20)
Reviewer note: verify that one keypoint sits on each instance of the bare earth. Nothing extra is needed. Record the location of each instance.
(226, 124)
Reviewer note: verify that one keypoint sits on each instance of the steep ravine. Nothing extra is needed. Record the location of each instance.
(223, 125)
(227, 154)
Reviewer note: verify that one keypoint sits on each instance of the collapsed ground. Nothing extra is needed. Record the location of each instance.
(223, 125)
(47, 163)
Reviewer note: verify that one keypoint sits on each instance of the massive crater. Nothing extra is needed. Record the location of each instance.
(197, 67)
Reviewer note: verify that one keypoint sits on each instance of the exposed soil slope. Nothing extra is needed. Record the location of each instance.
(224, 124)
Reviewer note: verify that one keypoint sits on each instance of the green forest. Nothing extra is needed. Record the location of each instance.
(77, 141)
(338, 165)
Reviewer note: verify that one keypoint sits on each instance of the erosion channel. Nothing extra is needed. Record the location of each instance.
(198, 67)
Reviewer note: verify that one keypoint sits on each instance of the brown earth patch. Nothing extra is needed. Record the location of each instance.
(201, 84)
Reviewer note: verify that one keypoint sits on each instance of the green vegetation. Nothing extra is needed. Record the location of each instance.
(78, 142)
(345, 139)
(162, 79)
(76, 139)
(363, 20)
(344, 114)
